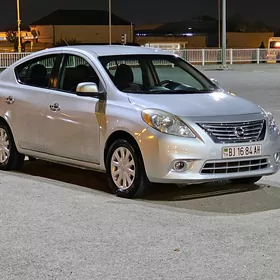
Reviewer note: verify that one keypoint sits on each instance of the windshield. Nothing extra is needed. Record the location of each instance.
(163, 74)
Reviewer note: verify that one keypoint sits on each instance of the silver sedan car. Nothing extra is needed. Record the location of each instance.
(141, 115)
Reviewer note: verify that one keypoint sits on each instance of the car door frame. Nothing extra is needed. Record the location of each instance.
(90, 62)
(69, 95)
(19, 128)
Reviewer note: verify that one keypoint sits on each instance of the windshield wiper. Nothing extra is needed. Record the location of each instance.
(179, 91)
(137, 91)
(184, 91)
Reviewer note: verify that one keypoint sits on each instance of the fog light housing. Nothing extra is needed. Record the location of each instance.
(181, 165)
(277, 157)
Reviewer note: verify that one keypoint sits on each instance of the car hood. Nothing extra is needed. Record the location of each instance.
(198, 106)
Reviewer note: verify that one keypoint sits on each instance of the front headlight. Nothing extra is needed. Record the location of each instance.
(271, 122)
(166, 123)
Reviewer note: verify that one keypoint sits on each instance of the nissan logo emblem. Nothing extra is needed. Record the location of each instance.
(239, 131)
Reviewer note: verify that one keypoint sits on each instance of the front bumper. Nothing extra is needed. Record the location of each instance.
(160, 150)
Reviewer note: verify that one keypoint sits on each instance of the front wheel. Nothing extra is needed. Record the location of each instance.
(246, 181)
(125, 170)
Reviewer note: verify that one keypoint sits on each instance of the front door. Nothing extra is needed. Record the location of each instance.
(72, 126)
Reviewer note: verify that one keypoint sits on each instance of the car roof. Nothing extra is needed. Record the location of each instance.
(94, 50)
(100, 50)
(106, 50)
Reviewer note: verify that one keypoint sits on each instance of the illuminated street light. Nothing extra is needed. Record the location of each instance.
(18, 24)
(219, 24)
(110, 22)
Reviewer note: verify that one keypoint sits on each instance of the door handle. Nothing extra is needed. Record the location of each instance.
(55, 107)
(9, 100)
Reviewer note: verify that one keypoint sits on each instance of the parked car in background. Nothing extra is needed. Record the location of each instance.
(273, 50)
(139, 114)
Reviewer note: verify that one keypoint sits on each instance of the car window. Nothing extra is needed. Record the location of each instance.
(76, 70)
(37, 72)
(155, 74)
(134, 66)
(167, 71)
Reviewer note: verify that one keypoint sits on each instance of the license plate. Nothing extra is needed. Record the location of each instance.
(242, 151)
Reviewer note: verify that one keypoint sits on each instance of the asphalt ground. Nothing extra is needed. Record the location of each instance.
(58, 222)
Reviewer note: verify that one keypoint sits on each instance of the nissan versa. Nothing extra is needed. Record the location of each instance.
(139, 114)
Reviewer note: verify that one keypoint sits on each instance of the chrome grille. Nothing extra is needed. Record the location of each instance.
(234, 166)
(239, 132)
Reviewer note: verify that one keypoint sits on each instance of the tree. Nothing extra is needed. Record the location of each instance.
(11, 36)
(35, 34)
(13, 39)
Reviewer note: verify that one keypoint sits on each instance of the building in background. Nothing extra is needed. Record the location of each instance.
(63, 27)
(188, 33)
(200, 32)
(82, 26)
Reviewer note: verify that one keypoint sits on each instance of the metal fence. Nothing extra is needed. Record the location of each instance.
(195, 56)
(6, 59)
(233, 56)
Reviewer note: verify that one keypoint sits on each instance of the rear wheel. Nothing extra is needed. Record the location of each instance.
(10, 158)
(125, 170)
(246, 181)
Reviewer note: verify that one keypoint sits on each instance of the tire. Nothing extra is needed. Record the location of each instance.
(12, 159)
(139, 183)
(246, 181)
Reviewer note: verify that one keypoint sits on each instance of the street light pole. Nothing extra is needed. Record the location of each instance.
(18, 24)
(110, 22)
(219, 24)
(224, 37)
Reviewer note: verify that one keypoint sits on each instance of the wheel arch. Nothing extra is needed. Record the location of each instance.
(15, 159)
(4, 120)
(121, 134)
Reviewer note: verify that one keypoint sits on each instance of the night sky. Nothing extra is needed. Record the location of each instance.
(143, 11)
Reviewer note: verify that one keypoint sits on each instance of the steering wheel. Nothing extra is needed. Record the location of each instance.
(73, 89)
(165, 82)
(171, 85)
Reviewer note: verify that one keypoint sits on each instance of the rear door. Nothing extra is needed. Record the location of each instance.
(27, 105)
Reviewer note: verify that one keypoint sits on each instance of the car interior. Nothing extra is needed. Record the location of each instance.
(38, 76)
(79, 74)
(123, 77)
(34, 74)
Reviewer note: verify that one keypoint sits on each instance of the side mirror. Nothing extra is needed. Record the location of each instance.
(89, 89)
(214, 81)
